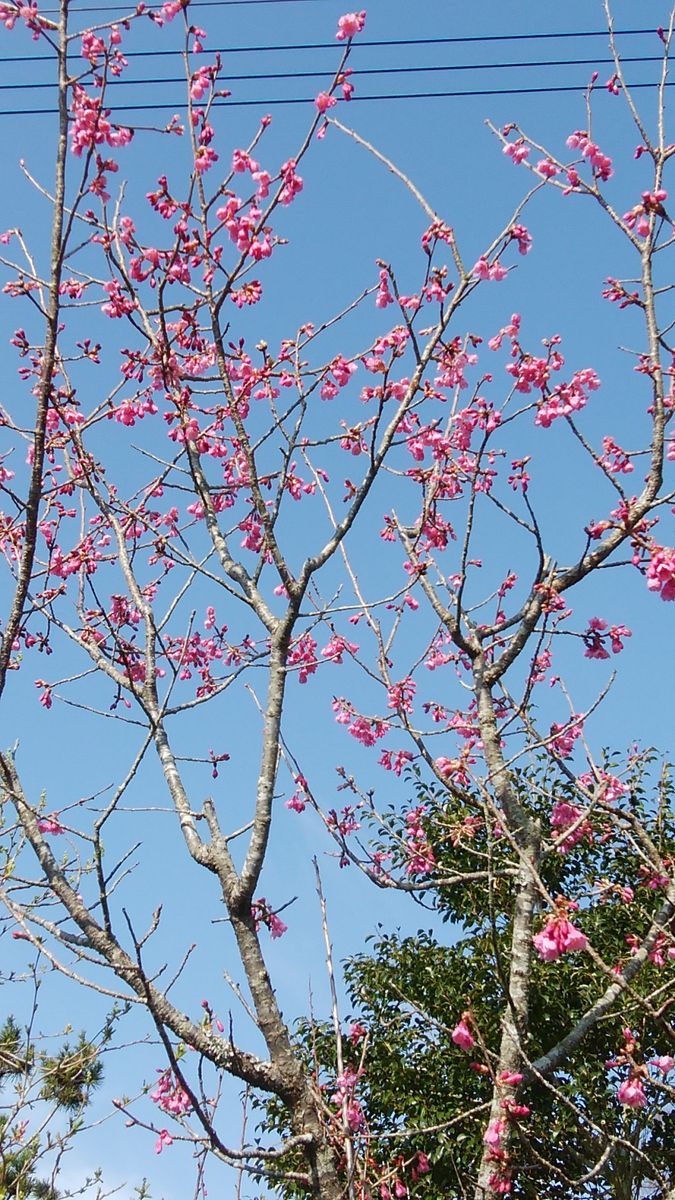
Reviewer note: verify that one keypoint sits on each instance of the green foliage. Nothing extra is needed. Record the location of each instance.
(69, 1076)
(409, 993)
(15, 1058)
(16, 1168)
(28, 1082)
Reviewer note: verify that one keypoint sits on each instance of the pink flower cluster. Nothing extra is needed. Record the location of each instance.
(170, 1096)
(517, 151)
(263, 914)
(559, 936)
(567, 398)
(164, 1139)
(50, 825)
(323, 102)
(639, 218)
(607, 786)
(661, 572)
(350, 24)
(117, 304)
(531, 371)
(90, 125)
(421, 858)
(395, 760)
(345, 1099)
(298, 801)
(565, 816)
(632, 1092)
(29, 14)
(384, 296)
(563, 737)
(496, 1137)
(343, 824)
(337, 647)
(462, 1035)
(598, 634)
(365, 730)
(601, 164)
(302, 655)
(614, 459)
(400, 695)
(489, 270)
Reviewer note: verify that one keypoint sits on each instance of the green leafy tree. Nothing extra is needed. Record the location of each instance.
(423, 1045)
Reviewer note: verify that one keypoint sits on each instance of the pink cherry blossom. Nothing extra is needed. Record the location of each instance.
(323, 102)
(164, 1139)
(661, 572)
(632, 1092)
(567, 816)
(600, 163)
(664, 1063)
(614, 459)
(485, 270)
(607, 786)
(462, 1035)
(522, 235)
(547, 168)
(518, 151)
(350, 24)
(494, 1133)
(400, 695)
(263, 914)
(558, 937)
(567, 398)
(384, 296)
(563, 737)
(170, 1096)
(292, 182)
(510, 1078)
(50, 825)
(395, 760)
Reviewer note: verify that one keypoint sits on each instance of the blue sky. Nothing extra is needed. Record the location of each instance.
(352, 213)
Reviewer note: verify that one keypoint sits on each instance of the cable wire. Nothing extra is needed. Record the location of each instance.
(529, 91)
(194, 4)
(561, 62)
(444, 41)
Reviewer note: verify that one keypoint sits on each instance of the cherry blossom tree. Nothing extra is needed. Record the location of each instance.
(181, 539)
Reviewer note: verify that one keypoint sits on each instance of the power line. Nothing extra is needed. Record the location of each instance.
(194, 4)
(269, 103)
(445, 41)
(267, 75)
